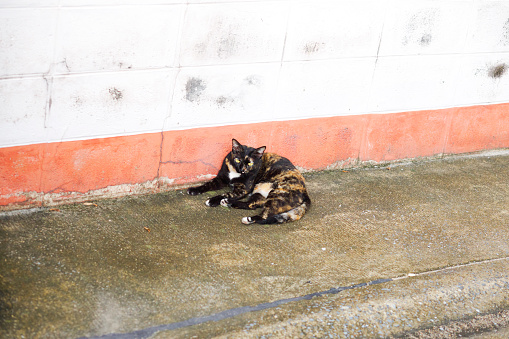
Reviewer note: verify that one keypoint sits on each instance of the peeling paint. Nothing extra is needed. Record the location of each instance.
(31, 199)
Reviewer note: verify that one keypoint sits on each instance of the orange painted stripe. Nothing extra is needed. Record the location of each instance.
(27, 173)
(43, 174)
(478, 128)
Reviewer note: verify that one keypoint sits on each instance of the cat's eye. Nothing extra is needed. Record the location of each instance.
(250, 163)
(237, 160)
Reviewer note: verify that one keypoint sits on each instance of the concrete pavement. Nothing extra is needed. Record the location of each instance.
(384, 251)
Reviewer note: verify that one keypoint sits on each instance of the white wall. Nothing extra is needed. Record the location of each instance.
(81, 69)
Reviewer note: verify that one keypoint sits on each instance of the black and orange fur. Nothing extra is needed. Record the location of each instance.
(266, 179)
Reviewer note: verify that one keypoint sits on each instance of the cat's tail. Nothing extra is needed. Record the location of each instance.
(291, 215)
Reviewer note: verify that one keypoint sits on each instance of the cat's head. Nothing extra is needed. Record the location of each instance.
(246, 159)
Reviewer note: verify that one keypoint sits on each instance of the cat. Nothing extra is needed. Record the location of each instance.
(266, 179)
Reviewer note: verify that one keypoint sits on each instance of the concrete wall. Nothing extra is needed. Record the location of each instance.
(107, 97)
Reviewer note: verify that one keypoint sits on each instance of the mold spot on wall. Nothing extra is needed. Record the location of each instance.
(425, 40)
(226, 38)
(420, 27)
(194, 89)
(116, 94)
(498, 71)
(227, 46)
(253, 80)
(78, 101)
(312, 47)
(505, 34)
(121, 65)
(200, 48)
(223, 101)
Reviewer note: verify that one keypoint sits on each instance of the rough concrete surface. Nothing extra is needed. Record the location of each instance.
(384, 252)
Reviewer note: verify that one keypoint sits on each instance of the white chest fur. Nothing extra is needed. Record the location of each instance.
(233, 174)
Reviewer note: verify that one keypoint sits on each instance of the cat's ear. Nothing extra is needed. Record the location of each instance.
(257, 153)
(236, 146)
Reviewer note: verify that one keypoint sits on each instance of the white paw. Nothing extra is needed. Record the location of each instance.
(225, 203)
(207, 202)
(247, 220)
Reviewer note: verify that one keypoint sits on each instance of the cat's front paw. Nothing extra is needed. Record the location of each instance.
(226, 202)
(214, 201)
(247, 220)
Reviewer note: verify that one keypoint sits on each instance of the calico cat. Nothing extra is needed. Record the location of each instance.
(266, 179)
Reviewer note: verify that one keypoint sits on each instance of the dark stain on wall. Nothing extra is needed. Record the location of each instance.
(226, 37)
(420, 27)
(121, 65)
(227, 46)
(312, 47)
(253, 80)
(77, 101)
(504, 40)
(498, 71)
(116, 94)
(425, 40)
(223, 101)
(194, 89)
